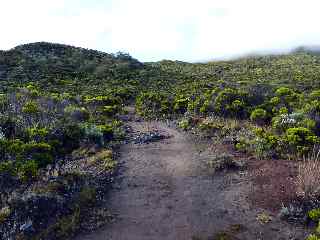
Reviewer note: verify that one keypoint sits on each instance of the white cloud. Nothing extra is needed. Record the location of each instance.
(158, 29)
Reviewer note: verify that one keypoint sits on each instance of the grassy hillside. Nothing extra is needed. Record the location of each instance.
(61, 108)
(54, 67)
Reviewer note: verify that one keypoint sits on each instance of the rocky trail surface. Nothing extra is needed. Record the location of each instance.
(165, 191)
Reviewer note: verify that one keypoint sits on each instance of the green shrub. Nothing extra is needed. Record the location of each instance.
(184, 124)
(11, 149)
(28, 170)
(206, 102)
(150, 104)
(237, 106)
(258, 115)
(300, 139)
(314, 214)
(195, 105)
(210, 126)
(206, 107)
(93, 134)
(230, 102)
(4, 214)
(313, 237)
(33, 147)
(17, 151)
(284, 121)
(166, 107)
(38, 134)
(275, 101)
(283, 110)
(285, 97)
(284, 91)
(315, 95)
(241, 146)
(110, 110)
(180, 104)
(266, 144)
(77, 113)
(68, 137)
(107, 131)
(31, 108)
(103, 100)
(87, 196)
(313, 108)
(7, 168)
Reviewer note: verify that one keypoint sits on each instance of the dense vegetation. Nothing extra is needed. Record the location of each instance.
(57, 102)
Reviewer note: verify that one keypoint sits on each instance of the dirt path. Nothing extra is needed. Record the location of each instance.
(165, 192)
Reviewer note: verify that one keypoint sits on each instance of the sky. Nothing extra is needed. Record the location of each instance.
(152, 30)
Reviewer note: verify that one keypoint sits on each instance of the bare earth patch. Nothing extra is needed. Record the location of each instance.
(273, 183)
(166, 191)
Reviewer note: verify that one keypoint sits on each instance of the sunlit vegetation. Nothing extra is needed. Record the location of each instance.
(58, 101)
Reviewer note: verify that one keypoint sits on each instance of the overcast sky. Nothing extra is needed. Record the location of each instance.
(152, 30)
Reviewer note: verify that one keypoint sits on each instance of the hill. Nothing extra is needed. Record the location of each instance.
(48, 65)
(51, 66)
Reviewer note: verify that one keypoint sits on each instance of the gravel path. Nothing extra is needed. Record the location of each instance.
(165, 192)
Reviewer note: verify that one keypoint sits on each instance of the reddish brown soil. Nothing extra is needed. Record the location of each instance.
(272, 183)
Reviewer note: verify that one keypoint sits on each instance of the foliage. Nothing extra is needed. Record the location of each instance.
(313, 237)
(230, 102)
(4, 214)
(184, 124)
(314, 214)
(300, 139)
(258, 115)
(30, 108)
(266, 144)
(55, 99)
(153, 104)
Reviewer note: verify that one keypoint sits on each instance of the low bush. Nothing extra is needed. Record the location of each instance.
(184, 124)
(4, 214)
(284, 121)
(180, 104)
(300, 140)
(314, 214)
(78, 114)
(110, 110)
(231, 103)
(210, 126)
(37, 134)
(313, 237)
(107, 131)
(28, 171)
(151, 104)
(266, 144)
(31, 108)
(93, 134)
(259, 116)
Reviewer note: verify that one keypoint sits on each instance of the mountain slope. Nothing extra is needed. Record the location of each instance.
(46, 62)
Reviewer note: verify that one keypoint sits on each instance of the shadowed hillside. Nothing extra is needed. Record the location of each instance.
(49, 65)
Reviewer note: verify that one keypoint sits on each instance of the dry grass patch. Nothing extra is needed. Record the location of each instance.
(103, 158)
(308, 179)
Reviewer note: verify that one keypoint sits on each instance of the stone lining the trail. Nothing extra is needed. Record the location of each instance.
(149, 137)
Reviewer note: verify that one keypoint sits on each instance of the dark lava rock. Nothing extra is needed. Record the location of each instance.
(149, 137)
(32, 213)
